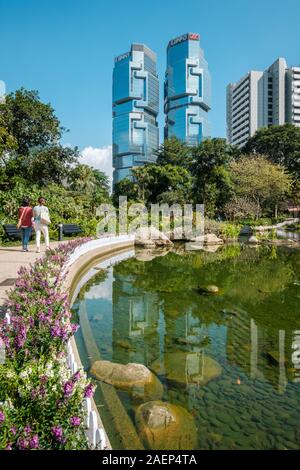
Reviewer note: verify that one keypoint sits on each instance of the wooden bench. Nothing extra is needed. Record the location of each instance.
(68, 229)
(12, 231)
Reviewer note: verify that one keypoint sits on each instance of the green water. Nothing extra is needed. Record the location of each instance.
(145, 311)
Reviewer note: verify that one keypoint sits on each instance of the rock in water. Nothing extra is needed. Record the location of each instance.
(211, 289)
(253, 240)
(187, 367)
(209, 239)
(136, 379)
(164, 426)
(151, 237)
(124, 344)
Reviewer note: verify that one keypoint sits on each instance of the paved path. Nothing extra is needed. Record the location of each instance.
(11, 259)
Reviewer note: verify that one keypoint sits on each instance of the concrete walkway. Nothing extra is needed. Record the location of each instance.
(11, 259)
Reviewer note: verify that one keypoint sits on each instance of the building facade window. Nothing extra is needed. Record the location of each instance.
(187, 90)
(135, 109)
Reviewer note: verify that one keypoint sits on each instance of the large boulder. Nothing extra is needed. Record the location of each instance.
(208, 239)
(196, 246)
(178, 234)
(209, 290)
(151, 237)
(253, 240)
(184, 368)
(164, 426)
(136, 379)
(246, 231)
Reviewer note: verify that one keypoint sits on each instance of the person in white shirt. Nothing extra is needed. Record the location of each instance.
(40, 222)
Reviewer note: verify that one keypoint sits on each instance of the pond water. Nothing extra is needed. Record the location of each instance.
(230, 359)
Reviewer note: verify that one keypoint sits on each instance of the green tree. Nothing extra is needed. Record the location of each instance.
(210, 169)
(31, 122)
(280, 144)
(49, 165)
(259, 180)
(92, 185)
(7, 145)
(174, 152)
(102, 181)
(154, 180)
(126, 187)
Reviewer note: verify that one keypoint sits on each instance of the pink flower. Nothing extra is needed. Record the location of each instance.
(68, 389)
(75, 421)
(89, 391)
(34, 442)
(57, 432)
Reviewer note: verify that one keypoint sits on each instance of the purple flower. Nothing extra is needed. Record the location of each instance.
(2, 417)
(89, 391)
(76, 376)
(13, 430)
(22, 443)
(68, 389)
(27, 429)
(9, 446)
(74, 327)
(57, 432)
(75, 421)
(55, 331)
(34, 442)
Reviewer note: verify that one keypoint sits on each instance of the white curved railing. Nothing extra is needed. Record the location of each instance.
(94, 244)
(95, 432)
(96, 435)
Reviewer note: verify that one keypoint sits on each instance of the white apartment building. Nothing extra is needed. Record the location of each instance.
(293, 95)
(242, 108)
(263, 99)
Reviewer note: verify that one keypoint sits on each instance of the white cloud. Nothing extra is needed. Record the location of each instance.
(2, 91)
(100, 291)
(98, 158)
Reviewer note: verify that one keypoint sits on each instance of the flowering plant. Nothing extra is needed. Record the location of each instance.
(41, 402)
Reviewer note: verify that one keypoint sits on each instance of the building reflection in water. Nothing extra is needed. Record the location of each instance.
(136, 335)
(145, 326)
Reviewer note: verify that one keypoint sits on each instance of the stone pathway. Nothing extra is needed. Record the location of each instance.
(11, 259)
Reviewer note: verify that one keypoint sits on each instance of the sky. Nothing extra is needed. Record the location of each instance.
(65, 50)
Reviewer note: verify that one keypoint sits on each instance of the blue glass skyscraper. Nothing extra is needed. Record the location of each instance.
(187, 90)
(135, 109)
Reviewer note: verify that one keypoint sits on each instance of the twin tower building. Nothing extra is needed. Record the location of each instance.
(136, 101)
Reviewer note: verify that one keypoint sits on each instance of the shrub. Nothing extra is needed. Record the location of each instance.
(41, 402)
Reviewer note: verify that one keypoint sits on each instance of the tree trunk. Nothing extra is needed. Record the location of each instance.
(276, 211)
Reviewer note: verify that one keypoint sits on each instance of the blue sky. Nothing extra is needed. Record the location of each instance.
(65, 49)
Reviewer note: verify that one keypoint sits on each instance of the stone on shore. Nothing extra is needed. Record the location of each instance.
(151, 237)
(209, 239)
(164, 426)
(136, 379)
(253, 240)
